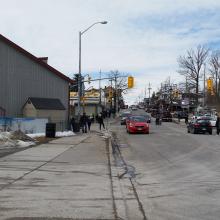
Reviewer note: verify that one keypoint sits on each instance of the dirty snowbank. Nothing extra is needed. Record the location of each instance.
(15, 139)
(19, 139)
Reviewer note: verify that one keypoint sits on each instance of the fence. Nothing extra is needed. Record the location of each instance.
(26, 125)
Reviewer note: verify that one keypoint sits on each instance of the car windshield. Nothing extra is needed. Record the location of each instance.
(203, 120)
(138, 119)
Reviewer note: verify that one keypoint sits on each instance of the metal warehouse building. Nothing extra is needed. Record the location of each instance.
(22, 75)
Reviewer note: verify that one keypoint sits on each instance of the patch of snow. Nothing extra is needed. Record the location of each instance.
(24, 144)
(64, 134)
(58, 134)
(36, 135)
(5, 136)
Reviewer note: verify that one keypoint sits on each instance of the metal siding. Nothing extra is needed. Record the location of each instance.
(20, 78)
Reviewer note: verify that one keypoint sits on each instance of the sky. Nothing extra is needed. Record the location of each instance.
(143, 38)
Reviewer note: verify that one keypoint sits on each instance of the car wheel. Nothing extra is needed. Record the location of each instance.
(194, 131)
(210, 132)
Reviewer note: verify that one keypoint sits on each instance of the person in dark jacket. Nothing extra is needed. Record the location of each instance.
(186, 118)
(101, 121)
(72, 122)
(217, 125)
(89, 122)
(83, 122)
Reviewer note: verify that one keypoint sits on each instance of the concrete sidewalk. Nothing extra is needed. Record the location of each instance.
(66, 178)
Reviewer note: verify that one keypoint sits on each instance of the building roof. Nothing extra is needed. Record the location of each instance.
(34, 58)
(46, 103)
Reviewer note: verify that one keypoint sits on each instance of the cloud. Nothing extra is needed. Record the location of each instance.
(142, 37)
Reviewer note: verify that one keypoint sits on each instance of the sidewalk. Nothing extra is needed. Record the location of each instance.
(66, 178)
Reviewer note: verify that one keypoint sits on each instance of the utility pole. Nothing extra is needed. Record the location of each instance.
(100, 90)
(115, 96)
(111, 97)
(149, 89)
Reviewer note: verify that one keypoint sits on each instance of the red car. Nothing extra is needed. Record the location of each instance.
(137, 124)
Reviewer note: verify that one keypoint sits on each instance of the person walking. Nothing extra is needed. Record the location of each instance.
(179, 117)
(72, 122)
(186, 118)
(217, 125)
(83, 122)
(101, 121)
(89, 122)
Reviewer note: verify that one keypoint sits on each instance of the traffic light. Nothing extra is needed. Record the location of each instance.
(209, 84)
(110, 93)
(130, 82)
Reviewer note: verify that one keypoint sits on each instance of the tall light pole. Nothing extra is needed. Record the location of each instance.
(80, 75)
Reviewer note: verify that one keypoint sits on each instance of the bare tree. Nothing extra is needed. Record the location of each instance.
(214, 69)
(121, 86)
(191, 65)
(120, 80)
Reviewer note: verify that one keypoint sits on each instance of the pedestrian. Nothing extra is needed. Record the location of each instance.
(72, 122)
(186, 118)
(83, 122)
(89, 122)
(217, 125)
(101, 121)
(157, 119)
(179, 117)
(109, 113)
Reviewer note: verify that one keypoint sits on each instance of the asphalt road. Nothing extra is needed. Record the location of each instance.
(177, 174)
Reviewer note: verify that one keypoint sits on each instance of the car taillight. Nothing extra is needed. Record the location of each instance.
(210, 125)
(196, 125)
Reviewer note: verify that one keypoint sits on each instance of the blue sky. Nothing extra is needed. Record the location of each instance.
(143, 37)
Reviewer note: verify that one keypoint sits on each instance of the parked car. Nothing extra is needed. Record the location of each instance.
(124, 116)
(199, 125)
(180, 114)
(137, 124)
(134, 108)
(212, 118)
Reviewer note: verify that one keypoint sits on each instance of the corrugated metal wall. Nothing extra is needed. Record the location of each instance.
(20, 78)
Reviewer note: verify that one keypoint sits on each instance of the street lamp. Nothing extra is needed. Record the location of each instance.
(80, 76)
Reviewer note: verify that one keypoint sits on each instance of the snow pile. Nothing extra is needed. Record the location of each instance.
(36, 135)
(58, 134)
(15, 139)
(64, 134)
